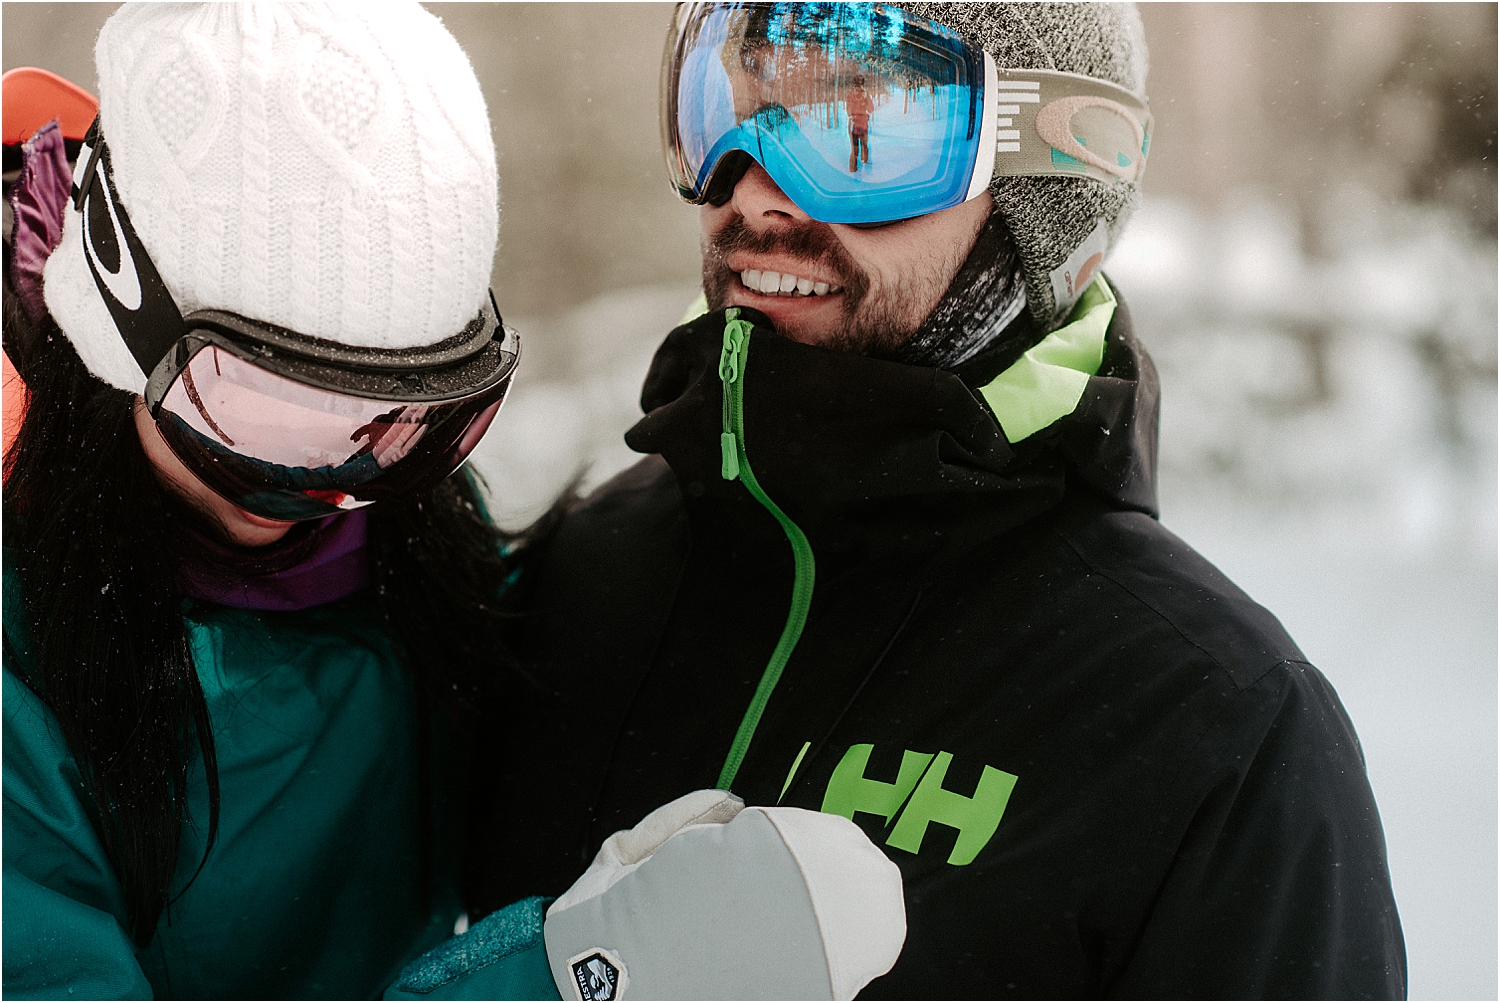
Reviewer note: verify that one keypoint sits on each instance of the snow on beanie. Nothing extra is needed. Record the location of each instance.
(326, 168)
(1050, 218)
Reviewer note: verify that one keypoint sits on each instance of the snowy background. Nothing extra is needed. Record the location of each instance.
(1314, 274)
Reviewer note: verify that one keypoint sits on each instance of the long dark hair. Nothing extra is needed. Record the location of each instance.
(97, 543)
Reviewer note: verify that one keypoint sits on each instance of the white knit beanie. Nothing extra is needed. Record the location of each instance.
(326, 168)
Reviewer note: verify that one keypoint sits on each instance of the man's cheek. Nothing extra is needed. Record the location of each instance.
(716, 284)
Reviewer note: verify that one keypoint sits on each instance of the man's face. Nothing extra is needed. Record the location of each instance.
(851, 288)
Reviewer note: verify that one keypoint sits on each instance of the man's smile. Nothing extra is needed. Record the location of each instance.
(788, 298)
(770, 283)
(767, 276)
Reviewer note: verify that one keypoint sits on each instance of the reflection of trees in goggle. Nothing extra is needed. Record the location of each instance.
(818, 56)
(872, 36)
(861, 30)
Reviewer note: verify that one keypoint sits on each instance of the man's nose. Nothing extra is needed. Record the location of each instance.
(758, 199)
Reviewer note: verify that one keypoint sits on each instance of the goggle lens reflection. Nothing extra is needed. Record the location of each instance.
(284, 450)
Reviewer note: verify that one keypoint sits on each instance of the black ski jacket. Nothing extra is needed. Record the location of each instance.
(1102, 769)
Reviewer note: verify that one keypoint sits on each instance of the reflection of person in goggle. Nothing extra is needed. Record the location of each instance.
(392, 436)
(859, 107)
(892, 552)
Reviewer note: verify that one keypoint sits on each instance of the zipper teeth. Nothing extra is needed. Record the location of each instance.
(802, 563)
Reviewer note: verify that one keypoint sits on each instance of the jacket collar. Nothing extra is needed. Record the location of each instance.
(837, 438)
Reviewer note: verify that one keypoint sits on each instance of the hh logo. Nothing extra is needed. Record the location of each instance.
(919, 788)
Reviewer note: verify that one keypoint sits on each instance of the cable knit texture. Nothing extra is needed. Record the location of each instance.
(1050, 216)
(323, 167)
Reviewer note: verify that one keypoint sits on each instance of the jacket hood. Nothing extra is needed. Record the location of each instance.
(834, 436)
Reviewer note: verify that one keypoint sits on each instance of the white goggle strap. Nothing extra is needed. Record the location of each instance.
(1048, 123)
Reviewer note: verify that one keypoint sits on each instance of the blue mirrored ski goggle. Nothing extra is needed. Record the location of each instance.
(863, 113)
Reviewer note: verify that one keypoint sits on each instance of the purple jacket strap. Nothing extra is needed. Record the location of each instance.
(39, 201)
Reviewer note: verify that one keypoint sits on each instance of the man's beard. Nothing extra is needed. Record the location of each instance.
(871, 326)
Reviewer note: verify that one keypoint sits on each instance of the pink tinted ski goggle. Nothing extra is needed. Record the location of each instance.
(291, 437)
(287, 426)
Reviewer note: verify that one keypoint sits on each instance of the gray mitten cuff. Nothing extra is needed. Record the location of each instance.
(707, 899)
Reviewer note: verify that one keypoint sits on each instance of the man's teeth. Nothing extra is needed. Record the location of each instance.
(785, 284)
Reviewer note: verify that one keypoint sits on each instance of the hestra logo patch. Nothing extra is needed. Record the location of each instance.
(597, 975)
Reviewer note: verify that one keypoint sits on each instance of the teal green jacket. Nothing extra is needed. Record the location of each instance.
(314, 888)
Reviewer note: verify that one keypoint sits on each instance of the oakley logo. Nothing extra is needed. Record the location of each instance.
(1104, 133)
(919, 797)
(106, 249)
(138, 301)
(1054, 123)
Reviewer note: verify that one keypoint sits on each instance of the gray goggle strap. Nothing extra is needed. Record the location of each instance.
(1057, 124)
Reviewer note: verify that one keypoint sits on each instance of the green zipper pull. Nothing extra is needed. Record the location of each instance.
(730, 356)
(729, 468)
(736, 466)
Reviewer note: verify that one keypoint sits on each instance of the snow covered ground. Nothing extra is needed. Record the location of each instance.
(1328, 440)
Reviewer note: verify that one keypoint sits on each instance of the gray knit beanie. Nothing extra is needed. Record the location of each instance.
(1050, 217)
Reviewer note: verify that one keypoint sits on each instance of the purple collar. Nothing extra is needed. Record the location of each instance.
(333, 563)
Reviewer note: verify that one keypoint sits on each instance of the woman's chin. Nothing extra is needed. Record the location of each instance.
(261, 522)
(248, 530)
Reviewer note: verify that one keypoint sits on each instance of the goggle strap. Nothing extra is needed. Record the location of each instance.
(88, 164)
(1058, 124)
(133, 292)
(142, 307)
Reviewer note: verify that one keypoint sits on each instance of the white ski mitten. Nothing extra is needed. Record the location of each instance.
(708, 899)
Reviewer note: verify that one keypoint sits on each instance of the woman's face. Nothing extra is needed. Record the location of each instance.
(239, 526)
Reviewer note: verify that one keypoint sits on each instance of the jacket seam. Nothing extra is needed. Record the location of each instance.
(1078, 552)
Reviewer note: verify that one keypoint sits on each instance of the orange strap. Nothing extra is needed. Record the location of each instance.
(14, 397)
(33, 97)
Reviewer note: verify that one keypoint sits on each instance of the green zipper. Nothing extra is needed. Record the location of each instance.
(736, 466)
